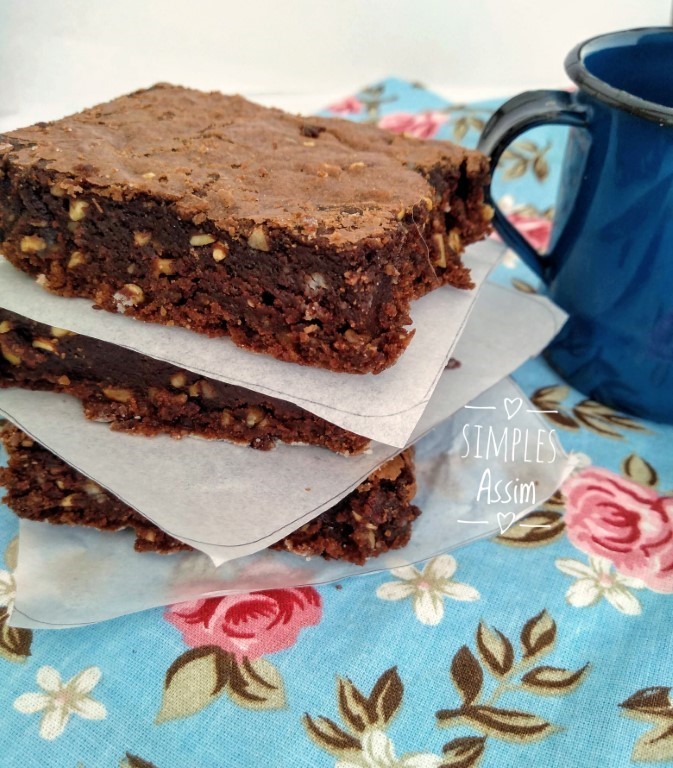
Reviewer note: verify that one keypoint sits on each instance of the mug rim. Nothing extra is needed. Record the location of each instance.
(608, 94)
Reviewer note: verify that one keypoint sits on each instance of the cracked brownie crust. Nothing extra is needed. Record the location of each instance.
(139, 394)
(374, 518)
(303, 239)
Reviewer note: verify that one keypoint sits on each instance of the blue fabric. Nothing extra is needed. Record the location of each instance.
(407, 641)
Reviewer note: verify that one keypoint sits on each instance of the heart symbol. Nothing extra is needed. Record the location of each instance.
(512, 406)
(505, 521)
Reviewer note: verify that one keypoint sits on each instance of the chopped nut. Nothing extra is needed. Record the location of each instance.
(165, 266)
(178, 380)
(141, 238)
(371, 540)
(308, 143)
(311, 328)
(401, 214)
(220, 251)
(64, 381)
(73, 226)
(487, 212)
(208, 390)
(118, 394)
(32, 244)
(194, 390)
(428, 202)
(60, 332)
(197, 240)
(130, 296)
(352, 338)
(27, 443)
(226, 418)
(77, 209)
(315, 281)
(41, 280)
(131, 269)
(57, 191)
(356, 166)
(68, 500)
(45, 344)
(332, 170)
(258, 241)
(10, 357)
(76, 258)
(149, 175)
(91, 488)
(455, 241)
(5, 326)
(254, 416)
(440, 256)
(60, 485)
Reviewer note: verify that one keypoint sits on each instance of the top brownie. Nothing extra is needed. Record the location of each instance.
(306, 239)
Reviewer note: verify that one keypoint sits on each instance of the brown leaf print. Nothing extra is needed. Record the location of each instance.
(640, 470)
(353, 706)
(328, 735)
(386, 697)
(603, 420)
(650, 702)
(508, 724)
(495, 650)
(523, 286)
(359, 712)
(534, 530)
(549, 399)
(550, 681)
(133, 761)
(14, 642)
(464, 752)
(505, 723)
(652, 705)
(467, 675)
(538, 635)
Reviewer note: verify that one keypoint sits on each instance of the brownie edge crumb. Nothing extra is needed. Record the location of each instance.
(374, 518)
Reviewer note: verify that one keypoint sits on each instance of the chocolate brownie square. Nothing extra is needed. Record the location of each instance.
(306, 239)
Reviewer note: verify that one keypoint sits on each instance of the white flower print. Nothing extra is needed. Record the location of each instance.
(378, 752)
(60, 700)
(597, 580)
(428, 588)
(7, 591)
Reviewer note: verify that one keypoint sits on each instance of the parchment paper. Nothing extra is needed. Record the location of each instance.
(385, 407)
(223, 499)
(68, 576)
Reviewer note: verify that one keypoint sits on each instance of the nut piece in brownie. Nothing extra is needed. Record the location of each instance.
(374, 518)
(303, 239)
(139, 394)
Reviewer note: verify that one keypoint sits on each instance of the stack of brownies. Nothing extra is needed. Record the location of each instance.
(303, 239)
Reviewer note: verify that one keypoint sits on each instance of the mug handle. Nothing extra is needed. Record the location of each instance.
(527, 110)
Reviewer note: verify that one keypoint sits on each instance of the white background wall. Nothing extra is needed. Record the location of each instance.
(60, 55)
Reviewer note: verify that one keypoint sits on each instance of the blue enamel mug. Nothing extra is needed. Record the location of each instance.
(610, 259)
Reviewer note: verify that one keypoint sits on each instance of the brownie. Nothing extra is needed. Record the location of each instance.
(139, 394)
(374, 518)
(306, 239)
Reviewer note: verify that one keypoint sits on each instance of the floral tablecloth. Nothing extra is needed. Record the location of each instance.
(550, 644)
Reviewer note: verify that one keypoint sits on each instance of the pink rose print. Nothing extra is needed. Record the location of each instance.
(536, 230)
(610, 516)
(348, 106)
(248, 625)
(423, 126)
